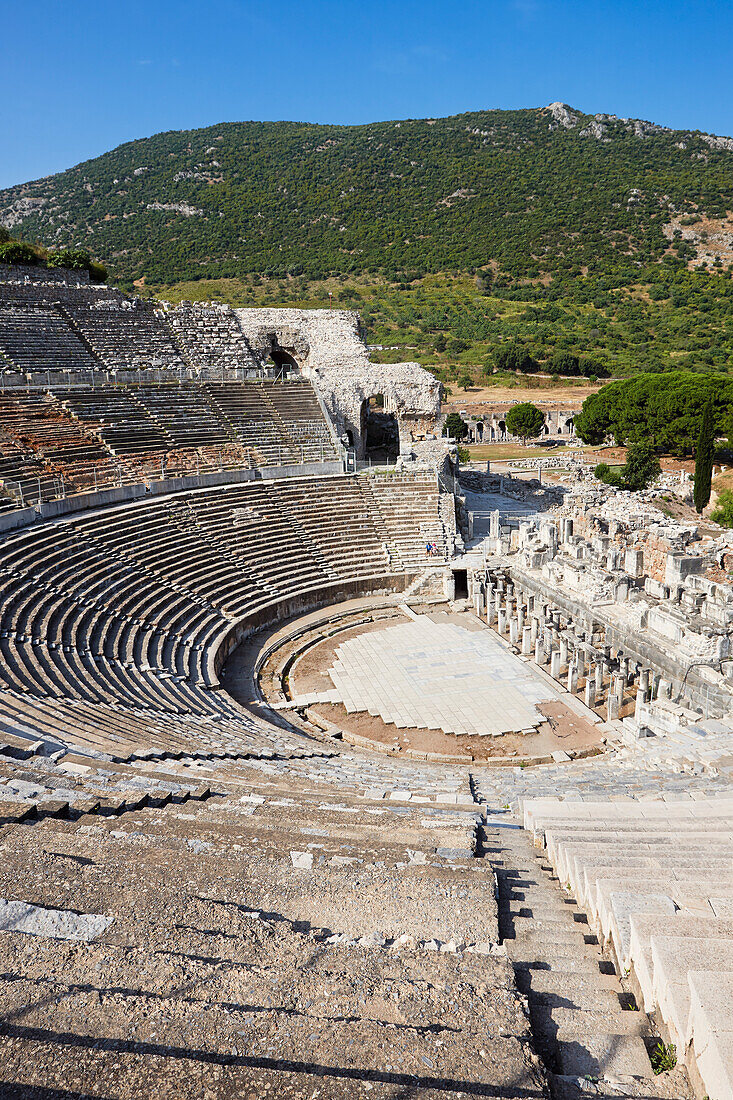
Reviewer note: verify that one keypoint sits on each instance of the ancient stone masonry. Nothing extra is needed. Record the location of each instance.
(610, 584)
(489, 426)
(327, 346)
(211, 336)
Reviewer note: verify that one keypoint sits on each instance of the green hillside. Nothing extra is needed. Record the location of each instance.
(553, 229)
(521, 190)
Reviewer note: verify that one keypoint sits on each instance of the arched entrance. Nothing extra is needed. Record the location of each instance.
(379, 430)
(282, 359)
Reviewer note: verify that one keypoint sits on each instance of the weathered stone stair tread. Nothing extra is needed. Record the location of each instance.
(604, 1054)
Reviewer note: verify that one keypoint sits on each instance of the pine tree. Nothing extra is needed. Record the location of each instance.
(704, 459)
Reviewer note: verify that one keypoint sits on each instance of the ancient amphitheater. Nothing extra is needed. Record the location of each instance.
(322, 777)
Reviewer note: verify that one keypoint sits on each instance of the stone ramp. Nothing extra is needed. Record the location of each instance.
(657, 881)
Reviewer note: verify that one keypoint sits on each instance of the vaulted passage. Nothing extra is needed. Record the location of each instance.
(380, 430)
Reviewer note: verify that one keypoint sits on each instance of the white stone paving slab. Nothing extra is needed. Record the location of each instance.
(56, 924)
(439, 676)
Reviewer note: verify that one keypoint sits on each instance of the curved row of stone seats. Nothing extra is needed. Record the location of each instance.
(38, 339)
(128, 607)
(186, 419)
(656, 880)
(245, 408)
(122, 421)
(125, 334)
(339, 525)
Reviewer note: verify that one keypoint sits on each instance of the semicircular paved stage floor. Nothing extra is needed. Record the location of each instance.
(438, 675)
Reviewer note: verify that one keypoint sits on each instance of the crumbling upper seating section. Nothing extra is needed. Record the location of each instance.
(79, 438)
(127, 607)
(45, 452)
(211, 337)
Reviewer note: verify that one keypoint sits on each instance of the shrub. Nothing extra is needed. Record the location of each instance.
(722, 513)
(663, 1057)
(75, 259)
(642, 466)
(608, 475)
(15, 252)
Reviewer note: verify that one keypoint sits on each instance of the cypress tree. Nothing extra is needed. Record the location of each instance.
(704, 459)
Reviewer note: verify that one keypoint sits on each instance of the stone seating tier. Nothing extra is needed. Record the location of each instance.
(77, 439)
(126, 608)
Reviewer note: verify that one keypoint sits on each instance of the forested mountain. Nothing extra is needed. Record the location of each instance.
(525, 194)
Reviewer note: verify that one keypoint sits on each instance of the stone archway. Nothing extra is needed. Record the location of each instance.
(283, 360)
(380, 430)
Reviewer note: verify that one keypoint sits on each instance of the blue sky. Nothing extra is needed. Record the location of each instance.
(79, 78)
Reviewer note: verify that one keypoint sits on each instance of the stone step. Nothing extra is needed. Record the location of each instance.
(557, 963)
(604, 1055)
(566, 983)
(558, 1022)
(564, 942)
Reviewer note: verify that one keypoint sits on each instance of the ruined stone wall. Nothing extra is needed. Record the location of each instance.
(327, 346)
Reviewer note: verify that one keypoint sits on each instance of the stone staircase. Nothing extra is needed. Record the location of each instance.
(585, 1023)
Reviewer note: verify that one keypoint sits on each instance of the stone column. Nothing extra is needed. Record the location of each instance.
(590, 693)
(513, 630)
(520, 616)
(539, 654)
(639, 702)
(572, 679)
(527, 640)
(563, 652)
(535, 628)
(611, 707)
(555, 664)
(599, 676)
(501, 620)
(580, 662)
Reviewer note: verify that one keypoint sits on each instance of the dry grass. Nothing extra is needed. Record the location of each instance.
(549, 395)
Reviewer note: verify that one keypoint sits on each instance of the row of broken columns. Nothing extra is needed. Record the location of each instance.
(540, 631)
